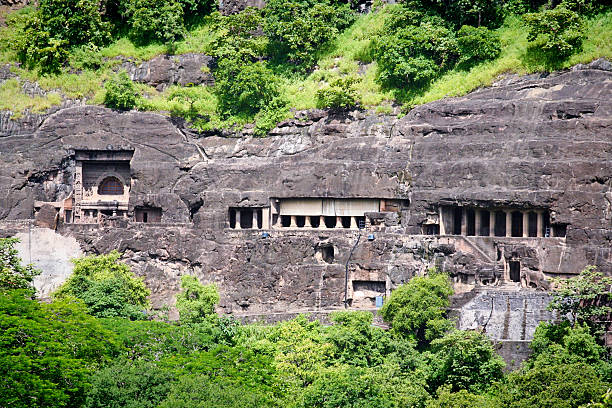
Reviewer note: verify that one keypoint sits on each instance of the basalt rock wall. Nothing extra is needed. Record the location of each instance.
(525, 143)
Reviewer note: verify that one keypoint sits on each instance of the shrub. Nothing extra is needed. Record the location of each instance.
(417, 309)
(477, 44)
(414, 55)
(556, 33)
(268, 118)
(196, 301)
(120, 92)
(13, 275)
(107, 287)
(236, 36)
(299, 28)
(339, 94)
(244, 88)
(154, 20)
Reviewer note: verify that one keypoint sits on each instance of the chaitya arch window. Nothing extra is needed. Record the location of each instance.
(110, 186)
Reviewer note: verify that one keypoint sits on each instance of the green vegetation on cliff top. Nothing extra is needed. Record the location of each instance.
(308, 54)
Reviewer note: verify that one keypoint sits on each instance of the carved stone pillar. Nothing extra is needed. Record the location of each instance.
(293, 222)
(477, 219)
(322, 222)
(255, 218)
(491, 223)
(265, 218)
(339, 222)
(354, 223)
(525, 224)
(307, 223)
(508, 223)
(463, 221)
(441, 221)
(238, 219)
(540, 224)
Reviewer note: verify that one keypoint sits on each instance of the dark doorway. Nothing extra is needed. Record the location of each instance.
(500, 224)
(327, 253)
(515, 271)
(300, 221)
(532, 224)
(246, 218)
(471, 222)
(346, 222)
(330, 222)
(559, 230)
(517, 224)
(232, 218)
(485, 220)
(457, 215)
(285, 221)
(315, 222)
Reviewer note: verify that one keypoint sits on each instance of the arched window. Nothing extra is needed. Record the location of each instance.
(110, 186)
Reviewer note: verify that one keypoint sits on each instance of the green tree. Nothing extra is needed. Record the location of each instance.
(417, 309)
(298, 29)
(154, 20)
(584, 299)
(555, 34)
(13, 275)
(461, 399)
(120, 92)
(465, 360)
(107, 287)
(48, 352)
(196, 302)
(125, 384)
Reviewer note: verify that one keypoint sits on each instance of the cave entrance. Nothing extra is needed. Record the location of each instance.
(515, 271)
(517, 224)
(500, 224)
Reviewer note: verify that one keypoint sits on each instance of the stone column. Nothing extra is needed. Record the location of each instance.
(265, 218)
(508, 223)
(238, 219)
(354, 223)
(463, 221)
(525, 224)
(441, 221)
(540, 224)
(322, 222)
(255, 218)
(114, 213)
(307, 223)
(477, 220)
(293, 222)
(491, 223)
(78, 191)
(338, 222)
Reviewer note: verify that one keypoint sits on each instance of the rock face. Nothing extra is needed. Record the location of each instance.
(536, 148)
(165, 70)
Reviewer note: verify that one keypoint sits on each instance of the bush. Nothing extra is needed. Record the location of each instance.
(244, 88)
(477, 44)
(236, 36)
(414, 55)
(417, 309)
(120, 92)
(107, 287)
(13, 275)
(339, 94)
(299, 28)
(154, 20)
(196, 301)
(556, 33)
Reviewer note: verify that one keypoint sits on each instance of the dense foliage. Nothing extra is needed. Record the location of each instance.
(107, 287)
(57, 355)
(13, 275)
(120, 93)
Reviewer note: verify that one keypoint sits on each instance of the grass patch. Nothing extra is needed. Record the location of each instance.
(14, 99)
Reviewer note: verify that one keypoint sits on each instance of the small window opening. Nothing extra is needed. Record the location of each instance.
(327, 253)
(485, 223)
(285, 221)
(515, 271)
(559, 230)
(330, 222)
(300, 221)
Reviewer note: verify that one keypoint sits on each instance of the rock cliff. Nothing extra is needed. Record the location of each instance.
(535, 147)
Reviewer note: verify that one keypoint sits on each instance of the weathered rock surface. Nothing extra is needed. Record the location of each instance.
(165, 70)
(534, 142)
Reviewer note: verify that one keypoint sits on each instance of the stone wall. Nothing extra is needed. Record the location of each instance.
(536, 142)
